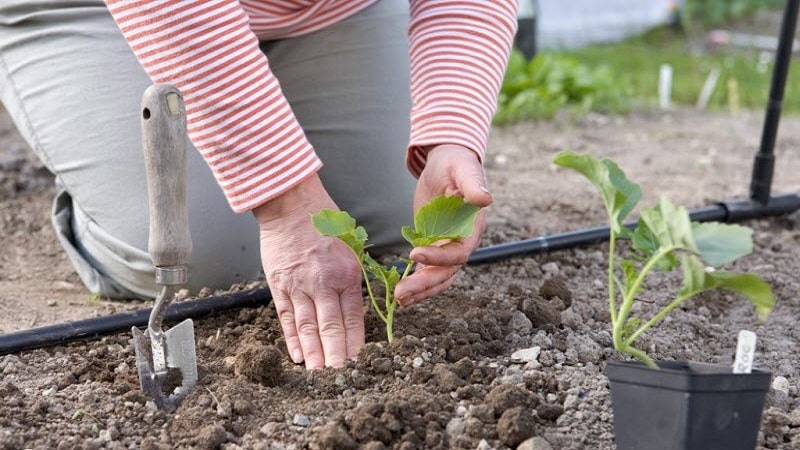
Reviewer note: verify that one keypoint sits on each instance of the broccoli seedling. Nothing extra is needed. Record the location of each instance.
(664, 239)
(443, 218)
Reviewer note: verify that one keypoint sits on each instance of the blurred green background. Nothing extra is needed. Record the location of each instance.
(624, 76)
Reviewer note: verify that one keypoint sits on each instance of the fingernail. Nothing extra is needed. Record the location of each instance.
(483, 188)
(297, 356)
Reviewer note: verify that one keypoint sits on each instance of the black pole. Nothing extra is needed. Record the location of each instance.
(727, 211)
(764, 163)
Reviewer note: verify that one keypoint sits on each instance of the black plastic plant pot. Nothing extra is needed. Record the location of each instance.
(685, 406)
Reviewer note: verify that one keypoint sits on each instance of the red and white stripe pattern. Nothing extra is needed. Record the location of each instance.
(237, 115)
(459, 52)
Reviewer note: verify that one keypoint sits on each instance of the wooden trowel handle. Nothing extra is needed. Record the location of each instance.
(164, 143)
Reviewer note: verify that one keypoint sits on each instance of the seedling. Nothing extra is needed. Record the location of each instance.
(665, 239)
(443, 218)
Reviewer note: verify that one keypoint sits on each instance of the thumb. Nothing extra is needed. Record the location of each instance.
(471, 182)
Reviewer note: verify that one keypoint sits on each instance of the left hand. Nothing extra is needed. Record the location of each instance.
(450, 170)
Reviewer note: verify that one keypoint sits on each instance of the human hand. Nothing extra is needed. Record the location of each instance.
(450, 170)
(315, 282)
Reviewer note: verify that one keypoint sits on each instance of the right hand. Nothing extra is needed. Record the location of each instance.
(315, 280)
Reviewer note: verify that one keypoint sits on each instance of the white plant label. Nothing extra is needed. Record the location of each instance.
(745, 350)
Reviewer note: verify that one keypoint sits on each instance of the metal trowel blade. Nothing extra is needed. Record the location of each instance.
(167, 389)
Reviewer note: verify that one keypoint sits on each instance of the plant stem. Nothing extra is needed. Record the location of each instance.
(612, 300)
(661, 314)
(369, 286)
(638, 354)
(628, 297)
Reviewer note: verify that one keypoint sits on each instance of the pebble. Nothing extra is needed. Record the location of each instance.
(49, 391)
(461, 411)
(269, 428)
(551, 398)
(781, 384)
(418, 362)
(340, 380)
(122, 368)
(484, 445)
(520, 323)
(455, 427)
(571, 401)
(527, 354)
(151, 406)
(535, 443)
(301, 420)
(550, 268)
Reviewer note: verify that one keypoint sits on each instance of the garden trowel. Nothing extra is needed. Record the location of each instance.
(166, 360)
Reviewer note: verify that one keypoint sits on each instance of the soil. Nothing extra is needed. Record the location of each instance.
(512, 356)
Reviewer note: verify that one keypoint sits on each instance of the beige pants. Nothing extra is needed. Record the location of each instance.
(73, 88)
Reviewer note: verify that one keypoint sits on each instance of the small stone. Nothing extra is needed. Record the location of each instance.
(571, 402)
(535, 443)
(301, 420)
(340, 380)
(455, 427)
(781, 384)
(52, 303)
(108, 435)
(550, 268)
(417, 362)
(461, 411)
(151, 406)
(122, 368)
(269, 428)
(229, 362)
(49, 391)
(484, 445)
(526, 354)
(520, 323)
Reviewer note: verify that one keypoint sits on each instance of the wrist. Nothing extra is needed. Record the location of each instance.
(298, 198)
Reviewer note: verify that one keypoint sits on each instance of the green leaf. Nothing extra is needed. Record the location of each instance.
(664, 226)
(444, 217)
(721, 243)
(619, 194)
(697, 279)
(389, 276)
(340, 224)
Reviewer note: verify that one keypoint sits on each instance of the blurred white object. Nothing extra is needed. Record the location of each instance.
(577, 23)
(665, 86)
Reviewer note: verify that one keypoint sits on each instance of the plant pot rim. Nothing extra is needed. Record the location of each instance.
(688, 376)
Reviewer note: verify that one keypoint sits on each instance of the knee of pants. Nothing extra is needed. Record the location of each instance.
(225, 251)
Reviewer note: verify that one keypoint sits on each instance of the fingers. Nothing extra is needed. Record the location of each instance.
(352, 305)
(425, 282)
(308, 330)
(283, 306)
(471, 182)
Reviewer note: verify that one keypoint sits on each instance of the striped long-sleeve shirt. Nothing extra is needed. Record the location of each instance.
(240, 121)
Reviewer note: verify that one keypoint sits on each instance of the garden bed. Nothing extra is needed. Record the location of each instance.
(452, 378)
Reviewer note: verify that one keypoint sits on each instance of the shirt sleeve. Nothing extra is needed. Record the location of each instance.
(459, 51)
(237, 116)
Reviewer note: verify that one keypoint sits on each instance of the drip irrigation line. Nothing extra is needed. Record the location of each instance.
(764, 162)
(48, 336)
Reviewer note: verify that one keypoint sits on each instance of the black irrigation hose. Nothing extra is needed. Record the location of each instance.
(60, 334)
(64, 333)
(764, 162)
